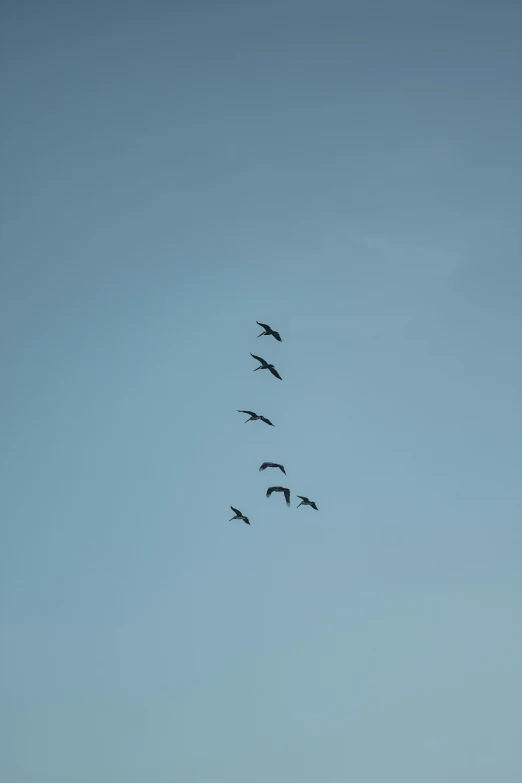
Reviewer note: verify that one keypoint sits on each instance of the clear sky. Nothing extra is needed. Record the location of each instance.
(350, 173)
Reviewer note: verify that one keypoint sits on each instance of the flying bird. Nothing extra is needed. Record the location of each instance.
(285, 490)
(272, 465)
(256, 417)
(269, 331)
(306, 502)
(239, 515)
(264, 365)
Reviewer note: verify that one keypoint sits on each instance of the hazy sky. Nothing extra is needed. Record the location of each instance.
(351, 173)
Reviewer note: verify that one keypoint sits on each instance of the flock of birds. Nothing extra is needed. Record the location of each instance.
(264, 365)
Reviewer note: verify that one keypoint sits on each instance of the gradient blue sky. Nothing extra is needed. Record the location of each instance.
(351, 173)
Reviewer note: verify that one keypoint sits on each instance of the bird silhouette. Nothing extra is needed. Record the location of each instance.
(272, 465)
(264, 365)
(269, 331)
(256, 417)
(306, 502)
(239, 515)
(285, 490)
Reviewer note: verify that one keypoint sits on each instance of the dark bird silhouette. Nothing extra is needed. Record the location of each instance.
(264, 365)
(306, 502)
(269, 331)
(272, 465)
(285, 490)
(256, 417)
(239, 515)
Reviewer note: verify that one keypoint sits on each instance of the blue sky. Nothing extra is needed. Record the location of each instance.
(349, 173)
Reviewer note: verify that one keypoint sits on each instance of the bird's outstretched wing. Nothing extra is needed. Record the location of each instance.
(246, 521)
(314, 506)
(270, 490)
(274, 372)
(265, 326)
(259, 359)
(236, 511)
(272, 465)
(302, 497)
(250, 413)
(287, 496)
(277, 336)
(267, 421)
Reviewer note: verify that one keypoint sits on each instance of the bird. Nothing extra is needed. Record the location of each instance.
(266, 366)
(285, 490)
(272, 465)
(239, 515)
(306, 502)
(256, 417)
(269, 331)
